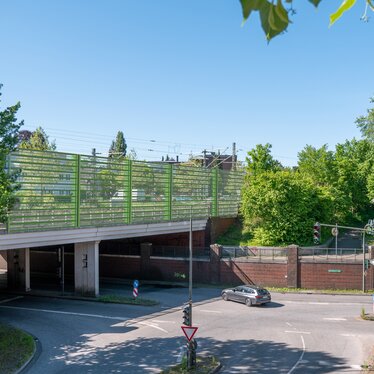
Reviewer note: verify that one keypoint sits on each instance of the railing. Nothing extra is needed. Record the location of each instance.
(61, 191)
(256, 254)
(179, 252)
(331, 254)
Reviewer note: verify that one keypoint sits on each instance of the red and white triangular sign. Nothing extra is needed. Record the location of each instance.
(189, 331)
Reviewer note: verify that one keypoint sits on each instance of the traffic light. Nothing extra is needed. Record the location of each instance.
(187, 315)
(317, 233)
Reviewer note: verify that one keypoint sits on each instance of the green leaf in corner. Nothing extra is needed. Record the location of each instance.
(248, 6)
(282, 12)
(315, 2)
(271, 22)
(345, 5)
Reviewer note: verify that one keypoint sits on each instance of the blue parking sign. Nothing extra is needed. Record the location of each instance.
(136, 283)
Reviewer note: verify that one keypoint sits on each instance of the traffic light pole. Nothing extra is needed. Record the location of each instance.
(191, 346)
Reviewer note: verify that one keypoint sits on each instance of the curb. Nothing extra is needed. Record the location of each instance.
(216, 370)
(34, 357)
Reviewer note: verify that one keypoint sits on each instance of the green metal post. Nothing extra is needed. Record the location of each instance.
(77, 190)
(169, 192)
(215, 192)
(128, 200)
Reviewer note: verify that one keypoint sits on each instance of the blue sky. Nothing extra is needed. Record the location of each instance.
(178, 77)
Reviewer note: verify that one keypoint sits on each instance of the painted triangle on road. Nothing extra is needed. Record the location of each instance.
(189, 331)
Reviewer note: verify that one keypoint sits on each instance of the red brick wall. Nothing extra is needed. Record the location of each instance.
(317, 276)
(265, 274)
(119, 267)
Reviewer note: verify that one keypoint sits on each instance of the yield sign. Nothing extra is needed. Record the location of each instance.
(189, 331)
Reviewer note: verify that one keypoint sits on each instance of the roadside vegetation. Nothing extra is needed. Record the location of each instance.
(204, 365)
(16, 348)
(117, 299)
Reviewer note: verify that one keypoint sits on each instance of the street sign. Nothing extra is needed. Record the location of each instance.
(335, 231)
(136, 283)
(189, 331)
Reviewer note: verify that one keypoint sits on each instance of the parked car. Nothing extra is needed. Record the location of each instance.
(248, 294)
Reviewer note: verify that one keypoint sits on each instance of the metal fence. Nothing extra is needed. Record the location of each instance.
(62, 190)
(256, 254)
(180, 252)
(319, 254)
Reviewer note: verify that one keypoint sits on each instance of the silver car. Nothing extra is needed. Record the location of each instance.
(247, 294)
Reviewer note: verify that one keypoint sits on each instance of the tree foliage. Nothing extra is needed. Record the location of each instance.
(275, 17)
(279, 206)
(38, 140)
(118, 147)
(8, 140)
(366, 123)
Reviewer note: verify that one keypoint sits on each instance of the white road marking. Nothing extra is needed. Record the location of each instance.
(288, 324)
(300, 358)
(66, 313)
(335, 319)
(149, 324)
(210, 311)
(299, 332)
(13, 298)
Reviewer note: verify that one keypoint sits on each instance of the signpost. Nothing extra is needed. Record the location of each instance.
(135, 290)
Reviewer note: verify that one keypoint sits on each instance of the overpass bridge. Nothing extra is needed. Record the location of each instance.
(69, 198)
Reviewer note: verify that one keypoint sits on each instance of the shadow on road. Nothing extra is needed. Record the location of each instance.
(150, 355)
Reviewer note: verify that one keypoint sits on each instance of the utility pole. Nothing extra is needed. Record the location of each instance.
(204, 153)
(94, 152)
(233, 167)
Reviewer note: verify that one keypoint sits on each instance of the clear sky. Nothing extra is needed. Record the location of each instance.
(182, 76)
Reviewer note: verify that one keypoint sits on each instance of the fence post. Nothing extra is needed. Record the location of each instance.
(215, 192)
(128, 189)
(77, 190)
(169, 192)
(292, 266)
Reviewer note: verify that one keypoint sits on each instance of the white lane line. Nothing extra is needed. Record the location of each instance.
(151, 325)
(300, 358)
(13, 298)
(288, 324)
(66, 313)
(348, 335)
(210, 311)
(335, 319)
(298, 332)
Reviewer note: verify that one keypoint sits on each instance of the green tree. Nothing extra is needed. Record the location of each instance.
(39, 141)
(279, 208)
(275, 17)
(366, 123)
(318, 164)
(260, 160)
(8, 140)
(118, 147)
(354, 162)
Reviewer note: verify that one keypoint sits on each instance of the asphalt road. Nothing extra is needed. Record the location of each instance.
(296, 333)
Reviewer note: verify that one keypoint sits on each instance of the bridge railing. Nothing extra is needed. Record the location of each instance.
(62, 190)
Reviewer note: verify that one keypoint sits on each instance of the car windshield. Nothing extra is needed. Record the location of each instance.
(262, 291)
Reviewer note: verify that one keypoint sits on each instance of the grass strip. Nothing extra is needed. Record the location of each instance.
(204, 365)
(126, 300)
(16, 347)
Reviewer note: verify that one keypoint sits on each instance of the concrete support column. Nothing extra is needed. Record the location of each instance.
(292, 266)
(215, 263)
(19, 269)
(145, 258)
(86, 268)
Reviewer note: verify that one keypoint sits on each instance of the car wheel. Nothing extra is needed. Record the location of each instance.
(224, 296)
(248, 302)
